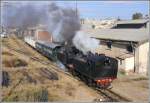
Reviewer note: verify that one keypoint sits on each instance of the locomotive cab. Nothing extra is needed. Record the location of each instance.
(105, 71)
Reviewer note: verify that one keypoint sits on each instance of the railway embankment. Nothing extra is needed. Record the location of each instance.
(29, 76)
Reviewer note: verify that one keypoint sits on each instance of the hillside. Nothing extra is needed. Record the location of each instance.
(29, 76)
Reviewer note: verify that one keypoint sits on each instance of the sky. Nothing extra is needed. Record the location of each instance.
(108, 9)
(104, 9)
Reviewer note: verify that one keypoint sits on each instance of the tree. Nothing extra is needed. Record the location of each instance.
(137, 16)
(146, 16)
(118, 19)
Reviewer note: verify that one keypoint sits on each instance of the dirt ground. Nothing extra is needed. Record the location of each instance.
(135, 87)
(25, 79)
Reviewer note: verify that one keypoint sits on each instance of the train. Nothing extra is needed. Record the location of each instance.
(96, 70)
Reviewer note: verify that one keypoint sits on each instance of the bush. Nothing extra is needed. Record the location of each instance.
(7, 53)
(29, 94)
(121, 72)
(14, 63)
(140, 78)
(5, 79)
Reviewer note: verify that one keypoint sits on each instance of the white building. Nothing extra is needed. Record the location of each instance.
(130, 46)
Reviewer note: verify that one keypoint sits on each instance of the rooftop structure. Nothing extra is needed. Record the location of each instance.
(139, 23)
(98, 24)
(135, 35)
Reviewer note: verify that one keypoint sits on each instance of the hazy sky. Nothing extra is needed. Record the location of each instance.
(104, 9)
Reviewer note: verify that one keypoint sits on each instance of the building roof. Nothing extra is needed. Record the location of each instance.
(138, 21)
(135, 35)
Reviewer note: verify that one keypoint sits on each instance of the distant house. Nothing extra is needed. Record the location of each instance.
(43, 35)
(39, 34)
(129, 46)
(139, 23)
(1, 29)
(97, 24)
(3, 32)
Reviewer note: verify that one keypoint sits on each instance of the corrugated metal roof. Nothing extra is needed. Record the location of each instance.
(136, 35)
(138, 21)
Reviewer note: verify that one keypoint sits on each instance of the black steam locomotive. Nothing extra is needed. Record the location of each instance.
(95, 69)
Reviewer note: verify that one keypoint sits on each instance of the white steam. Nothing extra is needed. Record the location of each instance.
(85, 43)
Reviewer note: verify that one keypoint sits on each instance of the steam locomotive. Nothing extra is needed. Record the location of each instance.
(96, 70)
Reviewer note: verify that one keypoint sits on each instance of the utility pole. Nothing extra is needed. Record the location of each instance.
(76, 8)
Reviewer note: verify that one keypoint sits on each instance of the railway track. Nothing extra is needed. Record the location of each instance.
(108, 95)
(28, 54)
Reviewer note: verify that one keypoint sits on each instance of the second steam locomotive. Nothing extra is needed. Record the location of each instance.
(95, 69)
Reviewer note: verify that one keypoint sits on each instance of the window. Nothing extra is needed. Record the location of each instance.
(109, 44)
(120, 62)
(129, 48)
